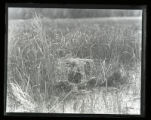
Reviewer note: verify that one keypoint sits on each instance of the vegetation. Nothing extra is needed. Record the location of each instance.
(106, 51)
(27, 13)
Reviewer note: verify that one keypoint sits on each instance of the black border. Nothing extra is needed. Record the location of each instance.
(83, 6)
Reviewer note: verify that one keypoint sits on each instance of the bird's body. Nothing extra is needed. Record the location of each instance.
(71, 76)
(74, 75)
(77, 77)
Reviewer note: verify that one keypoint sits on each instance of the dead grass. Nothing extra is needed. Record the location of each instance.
(37, 49)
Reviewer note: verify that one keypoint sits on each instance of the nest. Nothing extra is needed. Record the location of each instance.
(84, 67)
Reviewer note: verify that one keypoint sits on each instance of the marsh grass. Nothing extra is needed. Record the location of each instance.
(37, 48)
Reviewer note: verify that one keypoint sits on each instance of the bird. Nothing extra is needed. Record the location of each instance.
(71, 76)
(77, 77)
(74, 76)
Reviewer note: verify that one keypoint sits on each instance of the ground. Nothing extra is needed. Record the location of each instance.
(37, 47)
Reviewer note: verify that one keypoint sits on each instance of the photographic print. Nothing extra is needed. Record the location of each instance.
(67, 60)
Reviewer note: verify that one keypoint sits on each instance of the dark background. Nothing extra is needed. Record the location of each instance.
(99, 2)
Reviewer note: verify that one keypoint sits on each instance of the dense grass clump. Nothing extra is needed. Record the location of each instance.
(106, 53)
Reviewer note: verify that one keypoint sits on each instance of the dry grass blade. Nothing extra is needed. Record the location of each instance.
(57, 104)
(22, 97)
(41, 52)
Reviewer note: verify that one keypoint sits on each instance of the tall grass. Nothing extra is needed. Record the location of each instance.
(37, 48)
